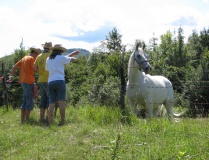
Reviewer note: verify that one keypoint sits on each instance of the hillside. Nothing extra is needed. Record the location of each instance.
(84, 52)
(7, 58)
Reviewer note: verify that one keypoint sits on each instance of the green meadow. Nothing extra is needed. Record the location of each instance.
(96, 133)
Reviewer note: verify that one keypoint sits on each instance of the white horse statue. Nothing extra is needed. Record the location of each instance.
(147, 90)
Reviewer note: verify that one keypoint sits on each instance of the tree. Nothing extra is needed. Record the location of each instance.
(114, 40)
(19, 53)
(153, 43)
(204, 38)
(165, 54)
(197, 72)
(15, 89)
(194, 49)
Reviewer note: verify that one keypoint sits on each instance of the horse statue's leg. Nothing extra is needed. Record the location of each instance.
(135, 109)
(133, 106)
(155, 111)
(169, 109)
(149, 107)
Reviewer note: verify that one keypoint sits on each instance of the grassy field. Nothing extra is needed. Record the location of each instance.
(95, 133)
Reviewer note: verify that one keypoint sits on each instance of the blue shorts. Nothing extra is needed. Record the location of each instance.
(28, 103)
(57, 91)
(44, 92)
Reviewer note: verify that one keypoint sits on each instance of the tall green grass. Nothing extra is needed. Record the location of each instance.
(95, 133)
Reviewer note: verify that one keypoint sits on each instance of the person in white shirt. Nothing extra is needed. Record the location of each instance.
(55, 64)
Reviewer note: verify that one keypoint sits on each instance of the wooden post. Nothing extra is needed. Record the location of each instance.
(4, 84)
(123, 83)
(123, 90)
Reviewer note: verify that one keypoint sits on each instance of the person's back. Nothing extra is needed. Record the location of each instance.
(43, 74)
(26, 74)
(56, 67)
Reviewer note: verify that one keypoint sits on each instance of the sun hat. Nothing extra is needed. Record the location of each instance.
(37, 50)
(47, 45)
(59, 47)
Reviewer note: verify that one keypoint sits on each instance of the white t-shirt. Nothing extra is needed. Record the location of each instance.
(56, 67)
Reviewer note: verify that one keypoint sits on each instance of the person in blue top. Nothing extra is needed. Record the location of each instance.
(55, 64)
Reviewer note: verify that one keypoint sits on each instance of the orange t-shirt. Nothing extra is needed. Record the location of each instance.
(26, 74)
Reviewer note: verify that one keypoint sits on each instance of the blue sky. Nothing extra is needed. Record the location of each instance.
(84, 24)
(90, 36)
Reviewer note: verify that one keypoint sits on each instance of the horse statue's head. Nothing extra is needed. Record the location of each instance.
(139, 59)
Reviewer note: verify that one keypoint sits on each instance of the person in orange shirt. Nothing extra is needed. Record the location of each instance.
(26, 79)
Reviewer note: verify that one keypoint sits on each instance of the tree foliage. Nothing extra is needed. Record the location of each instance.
(114, 40)
(95, 78)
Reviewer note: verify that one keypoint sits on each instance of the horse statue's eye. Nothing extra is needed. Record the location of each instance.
(138, 56)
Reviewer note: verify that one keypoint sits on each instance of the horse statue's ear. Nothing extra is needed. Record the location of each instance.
(143, 46)
(137, 46)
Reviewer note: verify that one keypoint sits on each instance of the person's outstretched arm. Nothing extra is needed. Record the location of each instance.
(73, 53)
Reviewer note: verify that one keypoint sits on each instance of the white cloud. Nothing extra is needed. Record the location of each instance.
(206, 1)
(42, 20)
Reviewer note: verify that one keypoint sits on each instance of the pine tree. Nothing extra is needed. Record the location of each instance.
(114, 40)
